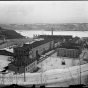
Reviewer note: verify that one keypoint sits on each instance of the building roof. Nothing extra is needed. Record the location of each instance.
(55, 36)
(70, 44)
(74, 40)
(33, 45)
(69, 47)
(5, 52)
(37, 43)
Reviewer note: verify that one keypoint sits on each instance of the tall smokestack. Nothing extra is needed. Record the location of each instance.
(52, 31)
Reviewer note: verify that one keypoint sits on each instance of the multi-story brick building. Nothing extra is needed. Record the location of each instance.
(26, 57)
(58, 39)
(23, 61)
(71, 50)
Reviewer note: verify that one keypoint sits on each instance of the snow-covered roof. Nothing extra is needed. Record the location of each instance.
(10, 50)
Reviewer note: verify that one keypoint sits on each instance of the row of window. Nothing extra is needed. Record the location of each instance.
(30, 62)
(74, 55)
(19, 51)
(27, 63)
(69, 52)
(30, 67)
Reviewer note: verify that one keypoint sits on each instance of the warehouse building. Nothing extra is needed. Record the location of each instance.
(23, 65)
(58, 39)
(26, 57)
(76, 40)
(22, 61)
(40, 47)
(70, 50)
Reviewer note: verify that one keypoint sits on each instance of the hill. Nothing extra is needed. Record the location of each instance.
(10, 34)
(47, 27)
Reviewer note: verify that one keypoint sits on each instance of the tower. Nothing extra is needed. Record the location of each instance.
(52, 31)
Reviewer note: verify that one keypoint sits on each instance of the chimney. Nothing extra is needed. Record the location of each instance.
(52, 31)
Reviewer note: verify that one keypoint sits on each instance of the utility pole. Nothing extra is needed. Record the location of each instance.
(80, 69)
(41, 73)
(80, 66)
(24, 74)
(24, 69)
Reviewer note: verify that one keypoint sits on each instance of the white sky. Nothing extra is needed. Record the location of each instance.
(43, 12)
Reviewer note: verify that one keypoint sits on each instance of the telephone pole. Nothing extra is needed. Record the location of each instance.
(80, 66)
(24, 70)
(41, 73)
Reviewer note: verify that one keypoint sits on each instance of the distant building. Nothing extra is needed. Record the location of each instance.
(70, 50)
(58, 39)
(6, 53)
(2, 39)
(76, 40)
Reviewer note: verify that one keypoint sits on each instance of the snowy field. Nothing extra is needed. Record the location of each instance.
(63, 77)
(3, 61)
(54, 62)
(54, 73)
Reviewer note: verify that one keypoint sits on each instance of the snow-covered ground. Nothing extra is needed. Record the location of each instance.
(54, 75)
(64, 77)
(8, 49)
(54, 62)
(3, 61)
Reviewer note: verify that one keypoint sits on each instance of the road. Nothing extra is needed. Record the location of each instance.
(46, 55)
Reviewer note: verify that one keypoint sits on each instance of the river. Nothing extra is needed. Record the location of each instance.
(34, 32)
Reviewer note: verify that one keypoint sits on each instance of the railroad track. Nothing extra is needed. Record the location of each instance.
(43, 58)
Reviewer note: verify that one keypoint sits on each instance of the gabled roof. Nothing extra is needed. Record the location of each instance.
(56, 36)
(69, 47)
(5, 52)
(36, 44)
(74, 40)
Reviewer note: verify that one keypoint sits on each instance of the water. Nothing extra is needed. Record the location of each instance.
(34, 32)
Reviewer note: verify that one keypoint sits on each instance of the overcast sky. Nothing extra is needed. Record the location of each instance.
(43, 12)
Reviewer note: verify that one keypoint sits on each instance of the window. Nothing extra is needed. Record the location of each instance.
(26, 68)
(18, 69)
(76, 52)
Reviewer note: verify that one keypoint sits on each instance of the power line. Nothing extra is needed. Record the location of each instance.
(65, 79)
(70, 74)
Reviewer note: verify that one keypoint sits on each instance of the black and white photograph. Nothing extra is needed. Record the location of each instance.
(44, 43)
